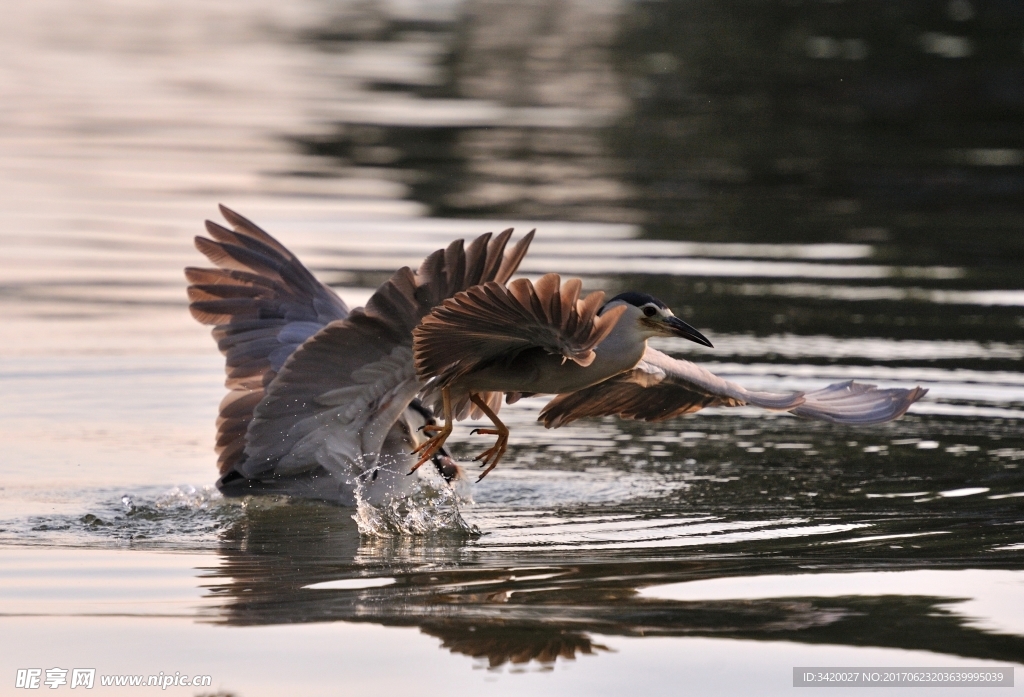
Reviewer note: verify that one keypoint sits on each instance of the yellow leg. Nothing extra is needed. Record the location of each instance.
(430, 447)
(493, 454)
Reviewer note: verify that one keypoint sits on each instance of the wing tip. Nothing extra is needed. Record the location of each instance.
(882, 405)
(230, 215)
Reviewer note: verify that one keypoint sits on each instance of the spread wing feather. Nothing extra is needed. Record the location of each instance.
(660, 387)
(491, 322)
(264, 303)
(338, 394)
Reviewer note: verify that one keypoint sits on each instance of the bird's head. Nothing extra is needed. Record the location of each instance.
(653, 317)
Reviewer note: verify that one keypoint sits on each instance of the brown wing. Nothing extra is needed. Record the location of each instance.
(646, 392)
(622, 397)
(490, 322)
(337, 396)
(661, 387)
(264, 304)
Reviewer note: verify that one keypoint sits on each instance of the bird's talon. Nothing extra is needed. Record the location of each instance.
(422, 459)
(429, 449)
(490, 457)
(432, 445)
(484, 473)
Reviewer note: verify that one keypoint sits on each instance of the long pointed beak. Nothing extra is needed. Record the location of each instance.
(680, 328)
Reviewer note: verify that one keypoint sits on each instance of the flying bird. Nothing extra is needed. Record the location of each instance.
(323, 399)
(523, 339)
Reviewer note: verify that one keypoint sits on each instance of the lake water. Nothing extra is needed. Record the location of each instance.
(827, 191)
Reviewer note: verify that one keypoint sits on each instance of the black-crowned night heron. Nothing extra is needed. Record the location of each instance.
(322, 399)
(524, 339)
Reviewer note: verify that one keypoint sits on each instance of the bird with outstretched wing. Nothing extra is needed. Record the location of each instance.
(322, 398)
(541, 338)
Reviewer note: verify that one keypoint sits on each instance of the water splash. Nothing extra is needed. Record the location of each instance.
(189, 498)
(430, 506)
(184, 516)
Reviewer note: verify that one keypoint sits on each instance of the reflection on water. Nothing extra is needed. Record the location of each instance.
(283, 563)
(826, 122)
(827, 190)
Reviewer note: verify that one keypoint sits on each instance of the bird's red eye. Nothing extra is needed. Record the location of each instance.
(650, 311)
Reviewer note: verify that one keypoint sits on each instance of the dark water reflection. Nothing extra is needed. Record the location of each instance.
(307, 563)
(897, 124)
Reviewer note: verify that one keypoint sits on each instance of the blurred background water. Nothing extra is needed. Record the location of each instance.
(828, 190)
